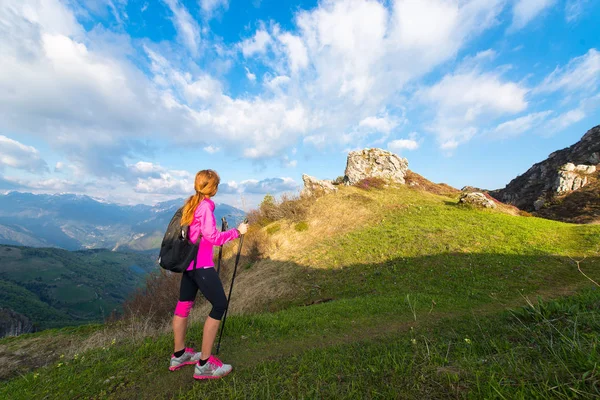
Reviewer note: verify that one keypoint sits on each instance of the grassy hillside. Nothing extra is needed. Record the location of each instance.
(55, 288)
(395, 293)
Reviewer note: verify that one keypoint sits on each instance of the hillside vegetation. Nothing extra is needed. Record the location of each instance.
(382, 293)
(56, 288)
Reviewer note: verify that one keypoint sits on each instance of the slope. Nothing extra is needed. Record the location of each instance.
(376, 299)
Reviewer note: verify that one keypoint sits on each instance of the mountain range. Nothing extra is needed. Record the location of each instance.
(76, 222)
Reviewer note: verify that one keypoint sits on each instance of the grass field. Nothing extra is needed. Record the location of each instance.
(420, 298)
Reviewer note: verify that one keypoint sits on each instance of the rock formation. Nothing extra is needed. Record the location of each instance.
(375, 163)
(477, 199)
(564, 171)
(313, 185)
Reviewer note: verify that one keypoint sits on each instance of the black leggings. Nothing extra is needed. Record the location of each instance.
(207, 280)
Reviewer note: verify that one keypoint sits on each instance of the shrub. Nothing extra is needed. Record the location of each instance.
(257, 242)
(301, 226)
(273, 229)
(156, 301)
(339, 180)
(371, 183)
(292, 208)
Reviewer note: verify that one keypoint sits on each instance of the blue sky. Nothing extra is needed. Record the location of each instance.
(126, 99)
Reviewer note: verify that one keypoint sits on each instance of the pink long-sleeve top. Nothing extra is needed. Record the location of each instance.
(204, 222)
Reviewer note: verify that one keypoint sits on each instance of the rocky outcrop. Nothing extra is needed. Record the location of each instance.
(377, 163)
(313, 186)
(13, 323)
(572, 177)
(564, 171)
(476, 199)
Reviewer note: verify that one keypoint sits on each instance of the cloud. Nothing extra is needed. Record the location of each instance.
(258, 44)
(270, 185)
(565, 120)
(465, 100)
(525, 11)
(187, 28)
(7, 184)
(253, 186)
(211, 149)
(580, 74)
(383, 124)
(17, 155)
(251, 77)
(277, 83)
(296, 52)
(403, 144)
(210, 6)
(574, 9)
(521, 125)
(164, 184)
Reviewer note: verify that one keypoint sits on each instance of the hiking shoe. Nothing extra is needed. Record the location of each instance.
(188, 358)
(213, 369)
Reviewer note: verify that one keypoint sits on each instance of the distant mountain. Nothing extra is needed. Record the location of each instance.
(76, 222)
(565, 186)
(48, 288)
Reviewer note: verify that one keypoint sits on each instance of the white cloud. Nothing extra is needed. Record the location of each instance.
(270, 185)
(187, 27)
(521, 125)
(574, 9)
(383, 124)
(565, 120)
(277, 83)
(524, 11)
(14, 154)
(315, 140)
(254, 186)
(251, 77)
(166, 183)
(118, 10)
(257, 44)
(211, 149)
(403, 144)
(210, 6)
(580, 74)
(468, 99)
(296, 51)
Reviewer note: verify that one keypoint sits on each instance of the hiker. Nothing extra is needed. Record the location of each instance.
(198, 213)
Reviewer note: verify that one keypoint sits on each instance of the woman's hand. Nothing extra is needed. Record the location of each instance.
(242, 228)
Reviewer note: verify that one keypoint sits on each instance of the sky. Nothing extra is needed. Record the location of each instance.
(125, 100)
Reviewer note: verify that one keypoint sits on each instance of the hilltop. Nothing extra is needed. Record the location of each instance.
(411, 283)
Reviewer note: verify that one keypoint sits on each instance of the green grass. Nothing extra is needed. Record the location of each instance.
(410, 305)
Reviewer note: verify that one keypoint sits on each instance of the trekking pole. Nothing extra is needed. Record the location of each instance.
(237, 259)
(223, 229)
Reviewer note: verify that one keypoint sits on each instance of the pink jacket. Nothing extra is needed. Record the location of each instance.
(204, 222)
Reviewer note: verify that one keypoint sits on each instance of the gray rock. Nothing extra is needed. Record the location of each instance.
(313, 185)
(377, 163)
(539, 203)
(570, 177)
(564, 171)
(477, 199)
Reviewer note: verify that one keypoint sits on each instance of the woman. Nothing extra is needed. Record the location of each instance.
(198, 213)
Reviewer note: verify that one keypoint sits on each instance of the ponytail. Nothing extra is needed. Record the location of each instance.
(206, 185)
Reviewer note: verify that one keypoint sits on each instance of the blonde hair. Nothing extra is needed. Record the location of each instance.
(206, 185)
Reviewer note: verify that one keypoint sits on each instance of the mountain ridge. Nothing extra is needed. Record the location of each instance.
(75, 222)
